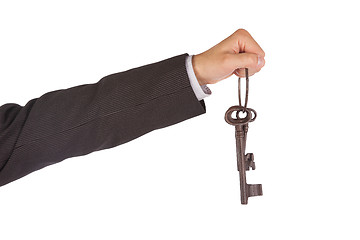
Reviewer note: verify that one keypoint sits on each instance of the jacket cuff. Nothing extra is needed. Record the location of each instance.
(201, 92)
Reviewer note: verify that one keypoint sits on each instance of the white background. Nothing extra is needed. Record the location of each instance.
(181, 182)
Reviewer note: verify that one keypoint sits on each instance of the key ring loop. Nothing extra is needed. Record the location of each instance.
(247, 89)
(250, 113)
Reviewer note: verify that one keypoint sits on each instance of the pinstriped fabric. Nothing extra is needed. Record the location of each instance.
(80, 120)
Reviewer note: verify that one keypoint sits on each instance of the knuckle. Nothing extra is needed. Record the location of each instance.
(263, 53)
(241, 32)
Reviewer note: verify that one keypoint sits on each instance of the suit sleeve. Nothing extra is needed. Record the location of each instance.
(87, 118)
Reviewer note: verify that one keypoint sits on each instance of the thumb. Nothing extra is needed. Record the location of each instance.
(246, 60)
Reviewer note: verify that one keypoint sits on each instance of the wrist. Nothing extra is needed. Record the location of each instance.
(198, 69)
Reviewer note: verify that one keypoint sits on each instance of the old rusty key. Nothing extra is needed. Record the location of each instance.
(244, 161)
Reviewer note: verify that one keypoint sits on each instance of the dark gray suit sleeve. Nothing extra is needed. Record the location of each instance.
(87, 118)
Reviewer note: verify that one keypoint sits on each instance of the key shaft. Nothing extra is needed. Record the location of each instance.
(244, 162)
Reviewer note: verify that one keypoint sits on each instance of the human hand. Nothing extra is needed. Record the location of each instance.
(230, 56)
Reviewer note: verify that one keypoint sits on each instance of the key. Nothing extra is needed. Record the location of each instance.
(244, 161)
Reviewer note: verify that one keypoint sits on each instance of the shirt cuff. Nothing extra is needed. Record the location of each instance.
(201, 92)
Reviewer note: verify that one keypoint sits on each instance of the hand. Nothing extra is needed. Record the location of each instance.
(230, 56)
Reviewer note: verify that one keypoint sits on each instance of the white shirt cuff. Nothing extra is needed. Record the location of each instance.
(201, 92)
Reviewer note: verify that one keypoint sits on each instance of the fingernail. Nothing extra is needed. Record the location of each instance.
(260, 61)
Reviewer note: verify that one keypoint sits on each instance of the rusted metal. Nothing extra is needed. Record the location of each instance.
(244, 161)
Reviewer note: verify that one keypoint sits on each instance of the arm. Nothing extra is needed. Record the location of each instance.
(120, 107)
(79, 120)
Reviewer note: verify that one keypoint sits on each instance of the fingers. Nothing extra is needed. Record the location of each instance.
(230, 56)
(251, 61)
(246, 43)
(244, 62)
(243, 52)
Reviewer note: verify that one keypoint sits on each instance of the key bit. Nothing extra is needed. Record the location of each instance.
(249, 161)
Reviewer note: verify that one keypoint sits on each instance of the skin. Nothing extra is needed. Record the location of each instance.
(230, 56)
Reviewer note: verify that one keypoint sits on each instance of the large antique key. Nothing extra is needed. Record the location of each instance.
(244, 161)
